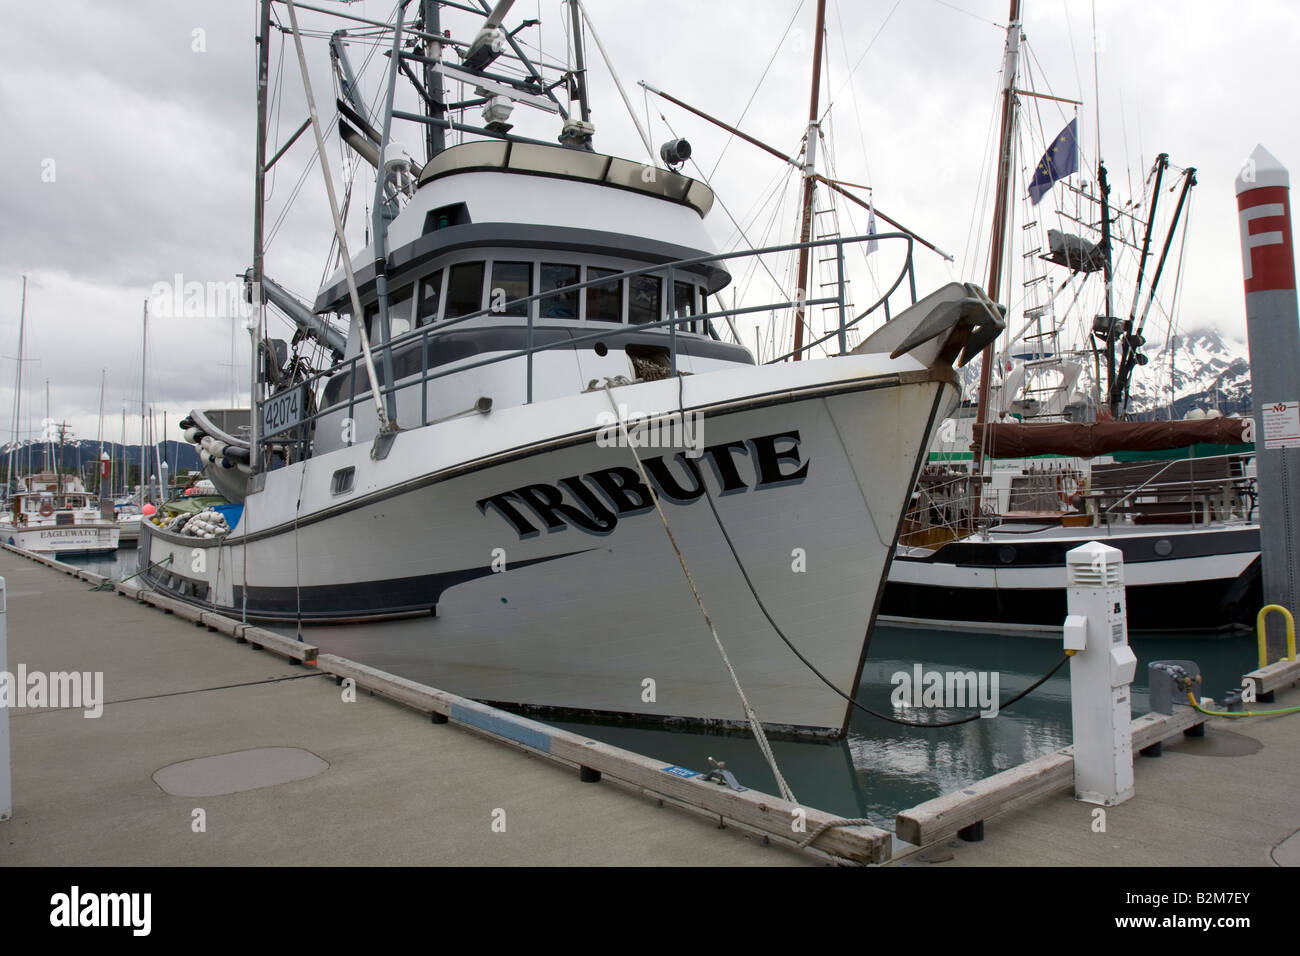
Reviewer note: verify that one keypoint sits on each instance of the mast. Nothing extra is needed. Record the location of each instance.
(809, 183)
(103, 381)
(1133, 341)
(380, 215)
(18, 392)
(259, 195)
(578, 135)
(1103, 187)
(144, 368)
(998, 240)
(435, 136)
(1116, 386)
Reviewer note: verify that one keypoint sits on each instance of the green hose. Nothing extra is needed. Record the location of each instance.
(1245, 713)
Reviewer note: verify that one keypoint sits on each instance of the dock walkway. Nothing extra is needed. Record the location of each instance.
(395, 789)
(1228, 798)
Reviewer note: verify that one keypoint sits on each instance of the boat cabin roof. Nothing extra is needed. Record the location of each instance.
(561, 162)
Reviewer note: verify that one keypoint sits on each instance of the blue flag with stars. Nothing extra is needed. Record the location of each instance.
(1061, 159)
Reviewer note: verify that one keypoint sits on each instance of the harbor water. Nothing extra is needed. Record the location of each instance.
(880, 767)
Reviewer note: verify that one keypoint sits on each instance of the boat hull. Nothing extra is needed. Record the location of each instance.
(65, 541)
(544, 576)
(1177, 579)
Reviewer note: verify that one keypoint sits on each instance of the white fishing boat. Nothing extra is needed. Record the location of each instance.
(538, 371)
(49, 512)
(54, 514)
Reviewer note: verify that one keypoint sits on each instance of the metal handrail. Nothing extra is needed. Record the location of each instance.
(313, 385)
(1193, 481)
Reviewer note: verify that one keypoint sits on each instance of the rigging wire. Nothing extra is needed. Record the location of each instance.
(953, 6)
(750, 715)
(849, 78)
(757, 87)
(749, 583)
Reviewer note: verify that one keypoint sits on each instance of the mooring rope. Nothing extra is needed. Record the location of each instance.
(754, 723)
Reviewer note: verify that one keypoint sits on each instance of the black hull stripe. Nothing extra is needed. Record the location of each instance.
(1180, 606)
(352, 601)
(1137, 549)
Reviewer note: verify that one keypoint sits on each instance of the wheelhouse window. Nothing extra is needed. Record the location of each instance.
(644, 300)
(430, 299)
(510, 281)
(464, 289)
(684, 304)
(399, 311)
(561, 305)
(605, 299)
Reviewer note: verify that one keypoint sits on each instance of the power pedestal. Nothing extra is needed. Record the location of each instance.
(1101, 670)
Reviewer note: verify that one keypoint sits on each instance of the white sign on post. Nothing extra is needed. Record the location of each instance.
(1281, 425)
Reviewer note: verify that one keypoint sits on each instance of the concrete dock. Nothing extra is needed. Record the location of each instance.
(373, 782)
(1229, 798)
(388, 788)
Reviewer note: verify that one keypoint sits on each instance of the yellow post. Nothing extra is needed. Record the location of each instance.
(1290, 632)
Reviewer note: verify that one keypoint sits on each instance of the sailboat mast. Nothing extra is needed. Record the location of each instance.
(18, 392)
(144, 368)
(809, 184)
(103, 381)
(1001, 203)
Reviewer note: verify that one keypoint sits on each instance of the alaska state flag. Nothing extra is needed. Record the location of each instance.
(1061, 159)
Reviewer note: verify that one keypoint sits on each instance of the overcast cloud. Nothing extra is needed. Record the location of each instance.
(129, 144)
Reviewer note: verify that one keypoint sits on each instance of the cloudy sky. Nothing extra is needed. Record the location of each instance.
(128, 131)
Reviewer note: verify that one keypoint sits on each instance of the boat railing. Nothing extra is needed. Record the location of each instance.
(1216, 488)
(1220, 478)
(292, 435)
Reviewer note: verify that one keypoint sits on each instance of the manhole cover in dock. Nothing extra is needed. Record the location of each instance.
(239, 771)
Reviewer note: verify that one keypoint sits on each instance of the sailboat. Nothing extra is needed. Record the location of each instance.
(50, 512)
(528, 432)
(988, 552)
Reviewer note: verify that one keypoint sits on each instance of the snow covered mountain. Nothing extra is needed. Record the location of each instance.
(1202, 368)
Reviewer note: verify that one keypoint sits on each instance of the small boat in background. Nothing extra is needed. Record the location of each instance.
(128, 522)
(54, 514)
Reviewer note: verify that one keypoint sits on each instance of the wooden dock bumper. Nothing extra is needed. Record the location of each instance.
(759, 812)
(1276, 676)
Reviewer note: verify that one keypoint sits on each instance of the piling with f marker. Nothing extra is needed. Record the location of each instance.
(1273, 331)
